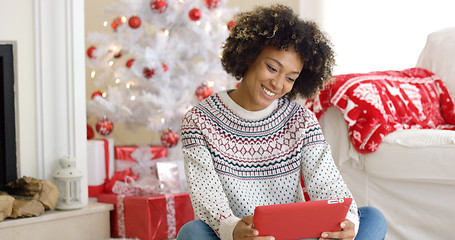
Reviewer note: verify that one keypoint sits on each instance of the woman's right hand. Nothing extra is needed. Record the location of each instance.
(244, 230)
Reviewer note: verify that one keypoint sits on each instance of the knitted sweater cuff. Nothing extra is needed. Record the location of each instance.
(227, 227)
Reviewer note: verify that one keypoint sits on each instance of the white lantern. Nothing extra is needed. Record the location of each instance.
(68, 180)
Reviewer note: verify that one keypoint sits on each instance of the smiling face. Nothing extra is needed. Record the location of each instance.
(269, 77)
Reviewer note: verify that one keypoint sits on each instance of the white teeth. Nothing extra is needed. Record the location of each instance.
(271, 94)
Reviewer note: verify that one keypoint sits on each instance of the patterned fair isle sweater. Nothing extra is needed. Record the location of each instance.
(237, 159)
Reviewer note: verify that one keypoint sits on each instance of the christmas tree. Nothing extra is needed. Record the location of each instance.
(159, 60)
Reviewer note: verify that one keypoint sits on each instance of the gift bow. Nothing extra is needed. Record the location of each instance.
(125, 188)
(119, 176)
(145, 169)
(143, 166)
(131, 187)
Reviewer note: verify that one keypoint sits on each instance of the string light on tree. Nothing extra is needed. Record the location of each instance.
(166, 32)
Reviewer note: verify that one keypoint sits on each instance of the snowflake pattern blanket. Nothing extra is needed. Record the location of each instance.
(377, 103)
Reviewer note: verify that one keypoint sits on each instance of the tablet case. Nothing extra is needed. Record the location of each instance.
(302, 219)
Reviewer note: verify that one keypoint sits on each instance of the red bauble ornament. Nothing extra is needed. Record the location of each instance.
(118, 55)
(230, 25)
(165, 67)
(97, 93)
(195, 14)
(203, 92)
(148, 73)
(90, 132)
(134, 22)
(212, 3)
(169, 138)
(104, 126)
(158, 6)
(90, 52)
(116, 23)
(129, 63)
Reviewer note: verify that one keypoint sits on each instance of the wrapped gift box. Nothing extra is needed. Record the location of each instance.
(148, 216)
(100, 162)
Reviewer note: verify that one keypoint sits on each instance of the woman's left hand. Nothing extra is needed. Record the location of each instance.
(347, 232)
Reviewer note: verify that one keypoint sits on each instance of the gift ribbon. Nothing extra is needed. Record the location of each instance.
(106, 159)
(120, 208)
(171, 222)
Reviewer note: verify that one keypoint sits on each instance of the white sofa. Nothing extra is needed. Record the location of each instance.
(411, 177)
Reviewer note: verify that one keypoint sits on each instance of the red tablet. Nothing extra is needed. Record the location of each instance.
(302, 219)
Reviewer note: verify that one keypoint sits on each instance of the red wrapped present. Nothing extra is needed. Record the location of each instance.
(149, 216)
(100, 162)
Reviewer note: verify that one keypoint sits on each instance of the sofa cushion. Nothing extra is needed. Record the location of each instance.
(414, 155)
(438, 56)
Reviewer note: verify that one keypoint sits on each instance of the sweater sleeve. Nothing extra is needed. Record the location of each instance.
(321, 176)
(209, 201)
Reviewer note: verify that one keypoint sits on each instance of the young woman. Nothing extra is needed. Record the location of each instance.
(249, 146)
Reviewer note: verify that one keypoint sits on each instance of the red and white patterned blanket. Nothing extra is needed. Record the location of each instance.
(377, 103)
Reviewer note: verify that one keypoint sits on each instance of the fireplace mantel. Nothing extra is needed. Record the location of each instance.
(90, 222)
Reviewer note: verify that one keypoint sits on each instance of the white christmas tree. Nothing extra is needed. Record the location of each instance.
(161, 58)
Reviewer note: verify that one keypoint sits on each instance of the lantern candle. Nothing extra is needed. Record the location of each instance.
(68, 180)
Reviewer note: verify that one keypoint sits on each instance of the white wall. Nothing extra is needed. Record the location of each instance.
(382, 34)
(243, 5)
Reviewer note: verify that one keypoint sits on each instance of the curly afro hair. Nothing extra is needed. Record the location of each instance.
(277, 26)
